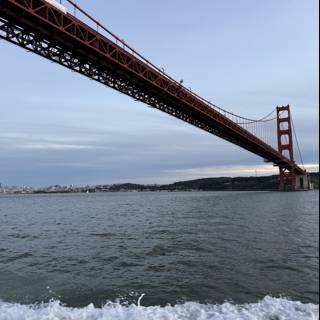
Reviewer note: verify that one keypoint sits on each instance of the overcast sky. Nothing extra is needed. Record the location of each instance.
(58, 127)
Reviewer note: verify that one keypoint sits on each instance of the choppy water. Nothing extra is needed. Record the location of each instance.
(214, 255)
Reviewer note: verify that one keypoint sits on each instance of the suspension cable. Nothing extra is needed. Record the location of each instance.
(264, 119)
(297, 142)
(135, 53)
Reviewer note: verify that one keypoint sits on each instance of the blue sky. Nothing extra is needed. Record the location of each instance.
(57, 127)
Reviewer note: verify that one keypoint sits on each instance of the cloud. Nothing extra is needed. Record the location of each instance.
(59, 127)
(63, 155)
(23, 141)
(54, 146)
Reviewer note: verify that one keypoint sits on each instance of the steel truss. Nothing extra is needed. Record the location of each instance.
(62, 38)
(49, 50)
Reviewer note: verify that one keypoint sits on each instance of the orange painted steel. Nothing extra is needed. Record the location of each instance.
(63, 38)
(287, 174)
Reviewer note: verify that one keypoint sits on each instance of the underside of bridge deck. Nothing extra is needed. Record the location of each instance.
(60, 37)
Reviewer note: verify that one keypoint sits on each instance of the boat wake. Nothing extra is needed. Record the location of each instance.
(267, 309)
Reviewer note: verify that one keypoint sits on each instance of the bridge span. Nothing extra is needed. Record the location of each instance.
(48, 29)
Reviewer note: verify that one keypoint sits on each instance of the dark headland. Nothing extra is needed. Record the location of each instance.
(263, 183)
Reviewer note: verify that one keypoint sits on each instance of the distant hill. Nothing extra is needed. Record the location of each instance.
(216, 184)
(226, 183)
(208, 184)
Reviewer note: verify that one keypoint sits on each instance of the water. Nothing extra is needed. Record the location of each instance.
(210, 255)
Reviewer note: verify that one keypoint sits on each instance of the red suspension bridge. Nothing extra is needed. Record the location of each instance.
(66, 34)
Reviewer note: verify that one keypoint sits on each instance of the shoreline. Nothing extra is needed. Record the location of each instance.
(263, 183)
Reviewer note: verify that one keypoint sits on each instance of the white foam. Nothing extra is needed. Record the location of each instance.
(267, 309)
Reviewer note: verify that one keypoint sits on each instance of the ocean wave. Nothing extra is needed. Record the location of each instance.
(267, 309)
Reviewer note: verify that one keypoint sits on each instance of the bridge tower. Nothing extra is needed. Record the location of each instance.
(285, 147)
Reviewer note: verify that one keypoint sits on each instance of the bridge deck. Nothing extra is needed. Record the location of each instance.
(61, 37)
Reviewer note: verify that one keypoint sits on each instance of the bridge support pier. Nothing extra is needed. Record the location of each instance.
(288, 179)
(287, 176)
(303, 182)
(45, 30)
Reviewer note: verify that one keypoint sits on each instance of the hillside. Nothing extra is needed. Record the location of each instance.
(216, 184)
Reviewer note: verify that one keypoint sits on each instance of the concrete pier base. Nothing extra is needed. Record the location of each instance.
(303, 183)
